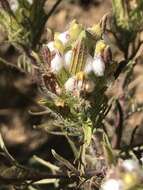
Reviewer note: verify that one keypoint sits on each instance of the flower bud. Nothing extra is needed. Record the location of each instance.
(98, 66)
(75, 29)
(100, 46)
(89, 86)
(96, 30)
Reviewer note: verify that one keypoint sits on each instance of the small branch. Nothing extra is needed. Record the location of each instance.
(133, 135)
(138, 109)
(119, 127)
(42, 25)
(136, 51)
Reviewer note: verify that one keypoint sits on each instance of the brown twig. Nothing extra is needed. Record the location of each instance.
(118, 127)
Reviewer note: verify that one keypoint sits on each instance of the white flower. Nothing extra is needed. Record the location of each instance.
(130, 165)
(51, 46)
(30, 1)
(88, 66)
(64, 37)
(67, 58)
(14, 5)
(70, 84)
(98, 65)
(112, 184)
(57, 63)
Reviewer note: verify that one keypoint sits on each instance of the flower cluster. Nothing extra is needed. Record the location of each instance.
(79, 57)
(127, 175)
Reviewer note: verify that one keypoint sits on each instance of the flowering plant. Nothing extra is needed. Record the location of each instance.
(74, 72)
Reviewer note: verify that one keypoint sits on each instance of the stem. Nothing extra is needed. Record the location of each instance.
(42, 24)
(119, 127)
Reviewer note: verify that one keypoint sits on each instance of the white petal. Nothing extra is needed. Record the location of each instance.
(130, 165)
(98, 66)
(79, 85)
(67, 58)
(51, 46)
(57, 63)
(112, 184)
(70, 84)
(30, 1)
(14, 5)
(64, 37)
(88, 67)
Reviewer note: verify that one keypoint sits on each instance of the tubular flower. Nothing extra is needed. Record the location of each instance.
(57, 63)
(130, 165)
(98, 66)
(64, 37)
(75, 29)
(70, 84)
(68, 58)
(51, 46)
(112, 184)
(88, 66)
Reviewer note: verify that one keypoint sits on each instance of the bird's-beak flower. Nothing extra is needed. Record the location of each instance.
(64, 37)
(67, 59)
(98, 66)
(51, 46)
(70, 84)
(88, 66)
(57, 63)
(130, 165)
(75, 29)
(112, 184)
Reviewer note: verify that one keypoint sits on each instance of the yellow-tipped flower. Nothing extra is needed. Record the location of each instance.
(88, 66)
(80, 75)
(96, 30)
(75, 29)
(68, 58)
(98, 66)
(57, 63)
(64, 37)
(59, 46)
(100, 46)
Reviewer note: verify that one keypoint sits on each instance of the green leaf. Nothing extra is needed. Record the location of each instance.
(108, 152)
(65, 162)
(87, 128)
